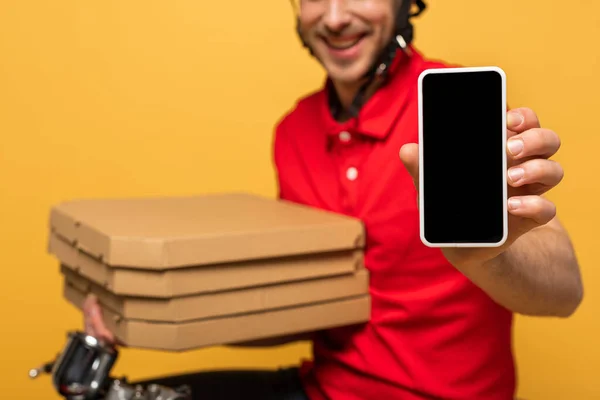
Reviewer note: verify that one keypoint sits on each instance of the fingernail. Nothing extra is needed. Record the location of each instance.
(515, 146)
(514, 204)
(515, 174)
(514, 118)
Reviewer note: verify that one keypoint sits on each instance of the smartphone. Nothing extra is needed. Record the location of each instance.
(462, 157)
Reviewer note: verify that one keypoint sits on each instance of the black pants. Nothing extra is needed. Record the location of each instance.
(282, 384)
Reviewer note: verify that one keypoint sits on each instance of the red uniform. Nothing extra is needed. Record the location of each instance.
(432, 332)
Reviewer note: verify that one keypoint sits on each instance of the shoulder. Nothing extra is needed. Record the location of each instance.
(296, 118)
(305, 107)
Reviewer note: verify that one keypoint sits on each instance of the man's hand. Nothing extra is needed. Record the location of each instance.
(94, 323)
(536, 271)
(530, 174)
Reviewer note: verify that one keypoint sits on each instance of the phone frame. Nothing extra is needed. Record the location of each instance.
(503, 112)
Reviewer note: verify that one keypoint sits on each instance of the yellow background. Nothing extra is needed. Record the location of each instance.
(119, 98)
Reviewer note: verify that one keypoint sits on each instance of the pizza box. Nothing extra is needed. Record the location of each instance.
(224, 303)
(161, 233)
(178, 282)
(230, 330)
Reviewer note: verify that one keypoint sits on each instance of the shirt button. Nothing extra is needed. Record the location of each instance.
(345, 136)
(351, 173)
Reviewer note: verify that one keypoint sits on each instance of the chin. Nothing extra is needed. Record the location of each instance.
(347, 74)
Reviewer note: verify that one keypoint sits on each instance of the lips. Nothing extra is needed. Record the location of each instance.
(343, 43)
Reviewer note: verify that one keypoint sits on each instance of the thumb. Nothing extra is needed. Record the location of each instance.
(409, 154)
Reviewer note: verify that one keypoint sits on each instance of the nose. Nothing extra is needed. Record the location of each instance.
(337, 15)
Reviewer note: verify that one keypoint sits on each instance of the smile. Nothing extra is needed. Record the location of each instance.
(343, 43)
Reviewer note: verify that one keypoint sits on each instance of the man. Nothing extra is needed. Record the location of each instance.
(441, 319)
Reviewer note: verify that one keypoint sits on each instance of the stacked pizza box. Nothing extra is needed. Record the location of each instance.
(187, 272)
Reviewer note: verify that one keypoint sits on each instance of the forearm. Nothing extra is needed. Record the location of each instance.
(537, 275)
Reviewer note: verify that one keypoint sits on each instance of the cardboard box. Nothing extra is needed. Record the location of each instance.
(204, 279)
(167, 233)
(231, 329)
(225, 303)
(167, 247)
(188, 272)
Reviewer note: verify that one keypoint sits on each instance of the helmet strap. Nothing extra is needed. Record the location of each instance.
(401, 39)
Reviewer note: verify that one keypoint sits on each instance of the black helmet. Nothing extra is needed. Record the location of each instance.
(401, 39)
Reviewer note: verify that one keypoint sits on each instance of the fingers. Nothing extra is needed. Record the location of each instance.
(537, 171)
(100, 328)
(88, 309)
(519, 120)
(536, 208)
(409, 154)
(93, 320)
(536, 142)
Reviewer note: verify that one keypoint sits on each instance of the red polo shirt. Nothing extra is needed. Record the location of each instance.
(432, 333)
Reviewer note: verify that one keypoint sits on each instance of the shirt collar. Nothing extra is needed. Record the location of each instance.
(380, 111)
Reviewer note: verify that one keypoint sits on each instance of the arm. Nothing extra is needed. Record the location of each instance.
(537, 275)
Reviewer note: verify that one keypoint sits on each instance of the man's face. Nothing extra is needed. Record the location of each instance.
(346, 36)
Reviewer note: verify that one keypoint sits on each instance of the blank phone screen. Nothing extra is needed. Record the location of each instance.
(463, 145)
